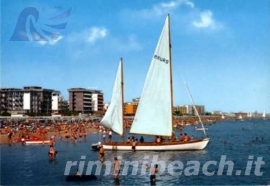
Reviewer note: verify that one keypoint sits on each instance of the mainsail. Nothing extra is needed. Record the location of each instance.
(113, 118)
(154, 113)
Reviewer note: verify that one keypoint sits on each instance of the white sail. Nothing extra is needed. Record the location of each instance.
(113, 118)
(154, 113)
(240, 117)
(222, 116)
(263, 115)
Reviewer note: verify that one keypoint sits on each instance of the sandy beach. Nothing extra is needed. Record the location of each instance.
(3, 137)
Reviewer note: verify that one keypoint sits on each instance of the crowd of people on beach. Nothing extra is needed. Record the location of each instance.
(19, 128)
(24, 131)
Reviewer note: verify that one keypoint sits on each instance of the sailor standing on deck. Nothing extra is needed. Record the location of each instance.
(182, 138)
(186, 137)
(110, 136)
(104, 136)
(141, 139)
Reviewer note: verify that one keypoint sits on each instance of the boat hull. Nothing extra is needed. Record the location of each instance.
(201, 128)
(164, 146)
(37, 142)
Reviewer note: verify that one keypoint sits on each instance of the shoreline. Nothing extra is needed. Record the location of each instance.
(4, 140)
(178, 122)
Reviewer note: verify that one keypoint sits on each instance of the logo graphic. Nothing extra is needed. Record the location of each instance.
(30, 26)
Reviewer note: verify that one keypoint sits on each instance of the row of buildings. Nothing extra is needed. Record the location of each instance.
(35, 99)
(131, 107)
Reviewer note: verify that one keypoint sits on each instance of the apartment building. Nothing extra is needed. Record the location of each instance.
(85, 100)
(62, 104)
(11, 99)
(30, 99)
(37, 100)
(189, 109)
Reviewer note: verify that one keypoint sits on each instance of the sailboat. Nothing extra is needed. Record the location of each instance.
(154, 114)
(222, 116)
(240, 117)
(264, 115)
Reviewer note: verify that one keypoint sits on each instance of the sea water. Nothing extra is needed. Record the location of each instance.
(240, 142)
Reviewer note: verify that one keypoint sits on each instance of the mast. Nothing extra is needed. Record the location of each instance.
(170, 58)
(122, 93)
(194, 107)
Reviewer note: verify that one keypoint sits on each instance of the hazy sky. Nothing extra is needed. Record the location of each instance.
(220, 48)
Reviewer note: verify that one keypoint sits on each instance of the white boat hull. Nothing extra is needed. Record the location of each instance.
(37, 142)
(201, 128)
(164, 146)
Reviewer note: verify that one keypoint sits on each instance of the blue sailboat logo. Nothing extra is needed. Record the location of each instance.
(28, 27)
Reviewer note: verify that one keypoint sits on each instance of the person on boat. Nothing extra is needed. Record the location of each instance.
(116, 168)
(100, 129)
(104, 136)
(141, 139)
(153, 174)
(173, 138)
(162, 138)
(158, 139)
(182, 137)
(101, 153)
(186, 137)
(110, 136)
(128, 140)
